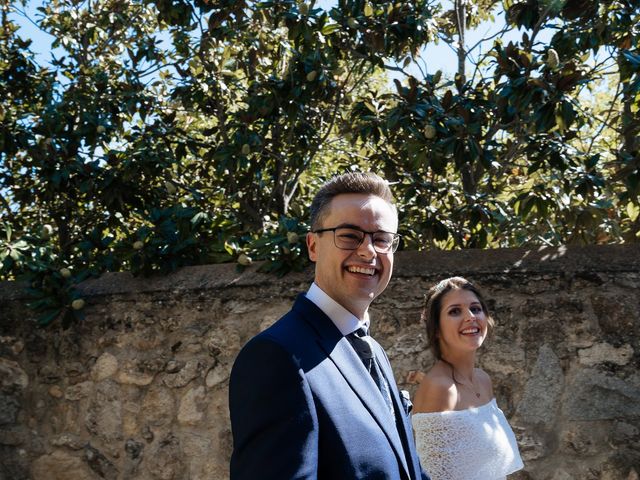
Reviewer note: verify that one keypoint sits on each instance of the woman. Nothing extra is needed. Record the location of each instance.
(461, 434)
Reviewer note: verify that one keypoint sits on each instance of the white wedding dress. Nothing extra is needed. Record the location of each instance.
(472, 444)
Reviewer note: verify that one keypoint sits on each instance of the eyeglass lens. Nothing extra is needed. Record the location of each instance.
(350, 239)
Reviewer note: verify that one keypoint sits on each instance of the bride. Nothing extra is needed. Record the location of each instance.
(461, 434)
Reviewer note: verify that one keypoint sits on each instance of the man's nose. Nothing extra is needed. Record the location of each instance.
(366, 248)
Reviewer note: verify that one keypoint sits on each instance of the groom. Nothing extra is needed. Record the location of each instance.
(313, 396)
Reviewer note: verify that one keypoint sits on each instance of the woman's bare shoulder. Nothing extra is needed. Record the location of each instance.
(437, 392)
(485, 380)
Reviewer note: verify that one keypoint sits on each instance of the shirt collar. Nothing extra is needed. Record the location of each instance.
(346, 321)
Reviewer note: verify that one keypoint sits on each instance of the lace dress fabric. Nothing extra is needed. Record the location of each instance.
(472, 444)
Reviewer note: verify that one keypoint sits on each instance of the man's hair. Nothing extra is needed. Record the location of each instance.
(352, 182)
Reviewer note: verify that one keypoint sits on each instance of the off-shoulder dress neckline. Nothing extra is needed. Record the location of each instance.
(466, 410)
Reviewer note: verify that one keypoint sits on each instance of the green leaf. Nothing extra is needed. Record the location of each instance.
(633, 210)
(46, 318)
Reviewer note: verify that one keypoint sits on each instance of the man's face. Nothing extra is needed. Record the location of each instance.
(353, 278)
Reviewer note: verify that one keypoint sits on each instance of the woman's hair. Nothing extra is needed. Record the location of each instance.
(433, 306)
(351, 182)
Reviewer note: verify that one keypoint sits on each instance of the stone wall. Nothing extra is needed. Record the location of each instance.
(139, 390)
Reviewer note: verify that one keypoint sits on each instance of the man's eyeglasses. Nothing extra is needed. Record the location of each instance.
(350, 238)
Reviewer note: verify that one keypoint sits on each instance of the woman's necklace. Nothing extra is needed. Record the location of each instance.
(471, 386)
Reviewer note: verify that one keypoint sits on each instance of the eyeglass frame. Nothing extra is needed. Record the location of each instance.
(394, 243)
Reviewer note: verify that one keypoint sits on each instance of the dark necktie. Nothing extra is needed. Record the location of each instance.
(361, 342)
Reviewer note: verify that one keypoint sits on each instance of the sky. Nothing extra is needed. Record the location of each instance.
(434, 56)
(25, 16)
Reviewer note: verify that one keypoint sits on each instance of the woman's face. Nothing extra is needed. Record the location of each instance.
(463, 322)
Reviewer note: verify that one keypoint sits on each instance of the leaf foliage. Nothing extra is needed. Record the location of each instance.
(160, 134)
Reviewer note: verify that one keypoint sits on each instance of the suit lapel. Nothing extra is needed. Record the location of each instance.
(405, 429)
(352, 369)
(350, 366)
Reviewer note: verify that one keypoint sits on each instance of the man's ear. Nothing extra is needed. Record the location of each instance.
(311, 246)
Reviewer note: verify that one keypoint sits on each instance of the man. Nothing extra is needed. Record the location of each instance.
(303, 403)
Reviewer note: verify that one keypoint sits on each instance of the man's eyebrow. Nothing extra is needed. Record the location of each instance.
(349, 225)
(357, 227)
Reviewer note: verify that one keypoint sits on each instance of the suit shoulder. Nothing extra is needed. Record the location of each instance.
(277, 334)
(286, 335)
(262, 359)
(286, 328)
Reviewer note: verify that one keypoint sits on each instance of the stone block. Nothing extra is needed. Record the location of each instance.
(12, 377)
(79, 391)
(180, 379)
(158, 406)
(104, 415)
(540, 401)
(604, 352)
(167, 460)
(594, 395)
(9, 408)
(190, 411)
(61, 465)
(105, 367)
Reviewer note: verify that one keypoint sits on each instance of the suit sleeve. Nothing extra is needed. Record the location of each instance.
(273, 418)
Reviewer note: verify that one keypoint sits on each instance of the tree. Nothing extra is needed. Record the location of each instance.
(514, 153)
(164, 134)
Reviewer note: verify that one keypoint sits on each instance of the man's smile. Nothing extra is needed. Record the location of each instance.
(363, 270)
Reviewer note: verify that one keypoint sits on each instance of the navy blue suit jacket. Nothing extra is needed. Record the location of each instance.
(303, 406)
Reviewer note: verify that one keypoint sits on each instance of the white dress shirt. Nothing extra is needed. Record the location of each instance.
(346, 321)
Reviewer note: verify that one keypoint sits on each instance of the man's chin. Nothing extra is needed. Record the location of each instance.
(365, 295)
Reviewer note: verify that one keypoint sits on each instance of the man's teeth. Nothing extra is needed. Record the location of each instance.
(366, 271)
(470, 330)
